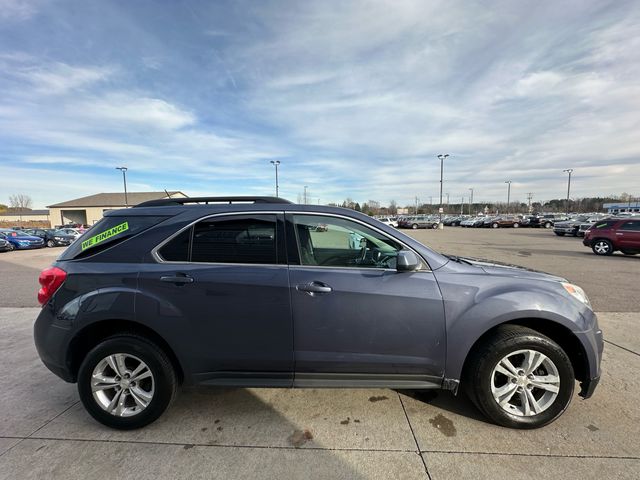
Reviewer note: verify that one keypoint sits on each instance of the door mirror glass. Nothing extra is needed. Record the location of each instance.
(407, 261)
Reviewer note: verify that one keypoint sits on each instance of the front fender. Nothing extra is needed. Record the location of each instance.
(474, 304)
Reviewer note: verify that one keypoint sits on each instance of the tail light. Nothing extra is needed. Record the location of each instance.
(50, 279)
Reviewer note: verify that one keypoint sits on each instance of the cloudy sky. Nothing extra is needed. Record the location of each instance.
(355, 98)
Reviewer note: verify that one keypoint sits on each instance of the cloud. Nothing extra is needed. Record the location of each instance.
(17, 10)
(354, 98)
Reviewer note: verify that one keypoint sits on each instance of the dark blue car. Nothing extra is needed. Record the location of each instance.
(266, 293)
(19, 240)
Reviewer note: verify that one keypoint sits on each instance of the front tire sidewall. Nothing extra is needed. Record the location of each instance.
(158, 363)
(490, 407)
(606, 243)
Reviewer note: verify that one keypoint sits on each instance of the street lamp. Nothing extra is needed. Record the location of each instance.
(441, 157)
(470, 200)
(508, 194)
(305, 194)
(275, 163)
(124, 178)
(569, 171)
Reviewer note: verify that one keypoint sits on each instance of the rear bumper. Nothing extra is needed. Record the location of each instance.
(52, 341)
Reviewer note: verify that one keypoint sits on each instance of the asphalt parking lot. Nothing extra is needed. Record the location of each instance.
(336, 434)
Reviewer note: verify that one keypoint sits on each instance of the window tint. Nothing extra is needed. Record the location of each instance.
(633, 225)
(337, 242)
(106, 232)
(246, 239)
(177, 249)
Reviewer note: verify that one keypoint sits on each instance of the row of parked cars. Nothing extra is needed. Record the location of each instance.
(604, 234)
(493, 221)
(17, 238)
(502, 221)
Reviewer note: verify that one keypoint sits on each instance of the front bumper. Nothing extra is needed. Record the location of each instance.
(570, 230)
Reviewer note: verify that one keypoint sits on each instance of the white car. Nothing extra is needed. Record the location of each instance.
(389, 221)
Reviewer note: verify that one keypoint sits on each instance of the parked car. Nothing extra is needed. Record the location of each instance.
(5, 246)
(502, 222)
(418, 221)
(19, 240)
(391, 221)
(569, 227)
(607, 236)
(74, 232)
(251, 294)
(51, 237)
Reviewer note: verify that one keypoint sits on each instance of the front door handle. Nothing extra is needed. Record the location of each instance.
(180, 279)
(314, 287)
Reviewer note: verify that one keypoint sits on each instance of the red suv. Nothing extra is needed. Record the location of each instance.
(607, 236)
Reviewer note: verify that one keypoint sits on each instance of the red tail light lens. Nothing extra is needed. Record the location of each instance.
(50, 279)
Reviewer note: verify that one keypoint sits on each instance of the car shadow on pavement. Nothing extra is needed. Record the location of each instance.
(458, 404)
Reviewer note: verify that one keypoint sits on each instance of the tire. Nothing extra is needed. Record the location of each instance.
(602, 246)
(516, 225)
(494, 225)
(414, 226)
(484, 379)
(548, 225)
(11, 247)
(629, 252)
(158, 390)
(51, 243)
(560, 234)
(434, 226)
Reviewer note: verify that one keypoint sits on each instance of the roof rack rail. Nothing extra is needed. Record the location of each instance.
(207, 200)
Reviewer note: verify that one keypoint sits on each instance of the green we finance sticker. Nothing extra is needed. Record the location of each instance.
(107, 234)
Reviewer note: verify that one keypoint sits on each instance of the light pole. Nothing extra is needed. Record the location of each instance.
(275, 163)
(462, 206)
(569, 171)
(441, 157)
(305, 194)
(508, 182)
(470, 200)
(124, 178)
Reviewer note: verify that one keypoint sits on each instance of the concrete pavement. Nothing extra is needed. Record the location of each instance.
(314, 433)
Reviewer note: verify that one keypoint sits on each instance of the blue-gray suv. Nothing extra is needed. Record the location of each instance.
(260, 292)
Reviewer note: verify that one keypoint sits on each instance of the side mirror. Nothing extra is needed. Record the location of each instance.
(407, 261)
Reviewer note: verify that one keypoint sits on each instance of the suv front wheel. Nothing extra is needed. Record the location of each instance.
(520, 378)
(602, 246)
(126, 382)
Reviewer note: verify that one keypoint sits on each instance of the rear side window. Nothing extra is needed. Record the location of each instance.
(249, 239)
(632, 225)
(107, 232)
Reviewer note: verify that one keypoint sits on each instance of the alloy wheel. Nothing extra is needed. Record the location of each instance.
(601, 247)
(525, 383)
(122, 385)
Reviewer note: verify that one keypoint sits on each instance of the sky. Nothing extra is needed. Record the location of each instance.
(355, 99)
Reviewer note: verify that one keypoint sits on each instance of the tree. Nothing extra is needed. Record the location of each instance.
(20, 202)
(393, 207)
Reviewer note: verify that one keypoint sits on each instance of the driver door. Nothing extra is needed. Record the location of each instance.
(355, 318)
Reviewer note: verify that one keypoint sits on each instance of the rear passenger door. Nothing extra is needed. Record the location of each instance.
(225, 280)
(629, 235)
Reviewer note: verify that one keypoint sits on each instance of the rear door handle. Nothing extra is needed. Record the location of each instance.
(314, 287)
(177, 279)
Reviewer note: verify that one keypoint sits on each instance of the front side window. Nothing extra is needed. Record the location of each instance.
(249, 239)
(338, 242)
(633, 225)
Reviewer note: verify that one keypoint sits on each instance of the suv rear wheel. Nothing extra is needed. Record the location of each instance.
(602, 246)
(520, 378)
(126, 382)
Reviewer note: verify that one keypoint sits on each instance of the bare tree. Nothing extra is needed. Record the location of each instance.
(20, 202)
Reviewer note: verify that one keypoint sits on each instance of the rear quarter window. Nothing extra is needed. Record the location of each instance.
(107, 232)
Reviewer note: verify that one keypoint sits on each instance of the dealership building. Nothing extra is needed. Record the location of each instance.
(88, 210)
(622, 207)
